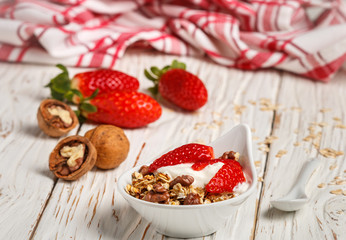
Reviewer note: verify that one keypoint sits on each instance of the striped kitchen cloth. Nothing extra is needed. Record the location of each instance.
(306, 37)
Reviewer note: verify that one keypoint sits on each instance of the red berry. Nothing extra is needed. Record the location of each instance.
(106, 80)
(188, 153)
(229, 176)
(178, 86)
(125, 109)
(183, 89)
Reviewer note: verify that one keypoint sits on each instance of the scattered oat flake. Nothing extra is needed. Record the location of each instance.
(337, 192)
(333, 182)
(342, 126)
(199, 124)
(268, 140)
(299, 109)
(260, 179)
(321, 185)
(281, 153)
(330, 153)
(267, 105)
(257, 163)
(264, 149)
(239, 109)
(332, 167)
(344, 192)
(255, 138)
(252, 102)
(296, 144)
(337, 119)
(341, 182)
(253, 130)
(322, 124)
(323, 110)
(219, 123)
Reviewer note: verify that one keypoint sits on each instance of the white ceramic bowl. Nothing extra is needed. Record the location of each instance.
(198, 220)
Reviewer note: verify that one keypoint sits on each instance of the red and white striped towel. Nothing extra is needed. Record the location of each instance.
(306, 37)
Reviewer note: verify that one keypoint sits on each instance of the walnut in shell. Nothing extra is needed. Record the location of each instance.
(56, 118)
(111, 144)
(72, 157)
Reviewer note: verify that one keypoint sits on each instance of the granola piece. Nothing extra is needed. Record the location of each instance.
(192, 199)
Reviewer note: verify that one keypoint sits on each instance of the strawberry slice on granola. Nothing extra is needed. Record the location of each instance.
(230, 175)
(189, 153)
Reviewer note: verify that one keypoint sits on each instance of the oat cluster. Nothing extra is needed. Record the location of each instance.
(158, 187)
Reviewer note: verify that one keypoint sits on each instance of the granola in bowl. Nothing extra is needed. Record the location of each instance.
(189, 175)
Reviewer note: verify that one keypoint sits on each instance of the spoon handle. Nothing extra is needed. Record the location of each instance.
(305, 174)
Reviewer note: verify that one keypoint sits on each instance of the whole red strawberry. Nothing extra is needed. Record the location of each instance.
(188, 153)
(178, 86)
(123, 109)
(229, 175)
(105, 80)
(106, 96)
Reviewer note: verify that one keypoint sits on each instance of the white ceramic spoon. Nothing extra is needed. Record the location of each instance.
(296, 197)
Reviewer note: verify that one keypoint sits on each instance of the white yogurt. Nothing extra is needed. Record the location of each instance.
(201, 178)
(241, 187)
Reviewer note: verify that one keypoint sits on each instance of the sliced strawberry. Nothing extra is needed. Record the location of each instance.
(106, 80)
(178, 86)
(229, 176)
(124, 109)
(188, 153)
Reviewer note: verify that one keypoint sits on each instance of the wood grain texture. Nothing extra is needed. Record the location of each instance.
(25, 180)
(308, 109)
(285, 113)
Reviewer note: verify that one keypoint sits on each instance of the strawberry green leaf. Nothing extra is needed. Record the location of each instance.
(78, 93)
(149, 76)
(60, 84)
(69, 96)
(182, 65)
(87, 107)
(93, 95)
(176, 64)
(57, 96)
(165, 69)
(156, 71)
(62, 67)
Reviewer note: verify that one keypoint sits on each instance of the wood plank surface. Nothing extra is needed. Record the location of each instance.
(25, 180)
(291, 119)
(310, 119)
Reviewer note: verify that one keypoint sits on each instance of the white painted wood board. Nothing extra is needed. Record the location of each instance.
(34, 205)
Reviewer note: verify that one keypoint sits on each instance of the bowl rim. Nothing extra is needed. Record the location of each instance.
(241, 197)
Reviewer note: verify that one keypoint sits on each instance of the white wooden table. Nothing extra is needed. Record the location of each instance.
(292, 119)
